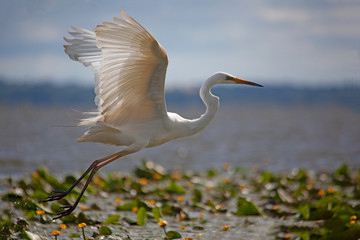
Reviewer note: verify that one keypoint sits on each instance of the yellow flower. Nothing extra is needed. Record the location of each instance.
(143, 181)
(190, 184)
(98, 181)
(276, 207)
(36, 175)
(199, 235)
(311, 181)
(82, 225)
(180, 198)
(201, 215)
(331, 190)
(176, 175)
(55, 233)
(163, 223)
(118, 200)
(40, 212)
(321, 192)
(183, 227)
(226, 180)
(84, 208)
(288, 235)
(152, 202)
(353, 219)
(63, 226)
(188, 239)
(156, 176)
(135, 209)
(225, 228)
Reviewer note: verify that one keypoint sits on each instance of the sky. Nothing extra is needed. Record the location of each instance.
(299, 42)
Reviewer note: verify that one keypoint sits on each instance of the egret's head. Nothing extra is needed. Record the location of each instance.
(225, 78)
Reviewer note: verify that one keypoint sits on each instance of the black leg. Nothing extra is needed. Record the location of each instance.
(57, 195)
(94, 167)
(71, 208)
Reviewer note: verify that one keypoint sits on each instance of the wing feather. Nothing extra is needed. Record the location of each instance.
(133, 62)
(130, 67)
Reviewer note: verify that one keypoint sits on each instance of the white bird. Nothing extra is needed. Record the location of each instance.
(130, 67)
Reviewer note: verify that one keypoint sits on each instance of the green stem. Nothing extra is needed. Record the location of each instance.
(83, 232)
(164, 229)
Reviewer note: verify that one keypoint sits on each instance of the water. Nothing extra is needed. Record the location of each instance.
(272, 138)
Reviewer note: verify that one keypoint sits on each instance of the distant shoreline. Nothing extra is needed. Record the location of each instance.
(44, 94)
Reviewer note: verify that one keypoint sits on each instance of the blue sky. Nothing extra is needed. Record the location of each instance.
(304, 43)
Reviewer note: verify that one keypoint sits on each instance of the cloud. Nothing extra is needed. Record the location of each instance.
(39, 32)
(43, 67)
(288, 15)
(258, 39)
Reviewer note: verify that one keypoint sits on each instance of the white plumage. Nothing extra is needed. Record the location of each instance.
(130, 68)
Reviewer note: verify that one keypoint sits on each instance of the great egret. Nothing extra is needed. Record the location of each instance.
(130, 67)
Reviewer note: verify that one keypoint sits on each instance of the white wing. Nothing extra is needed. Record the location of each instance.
(130, 67)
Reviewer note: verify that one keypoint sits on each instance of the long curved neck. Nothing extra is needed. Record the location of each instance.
(212, 105)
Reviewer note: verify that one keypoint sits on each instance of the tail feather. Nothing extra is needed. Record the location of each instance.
(100, 132)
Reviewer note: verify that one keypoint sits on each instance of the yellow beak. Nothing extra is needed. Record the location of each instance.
(242, 81)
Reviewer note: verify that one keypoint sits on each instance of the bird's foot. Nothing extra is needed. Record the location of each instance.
(55, 195)
(68, 210)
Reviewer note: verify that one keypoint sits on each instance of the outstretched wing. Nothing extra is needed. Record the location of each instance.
(130, 67)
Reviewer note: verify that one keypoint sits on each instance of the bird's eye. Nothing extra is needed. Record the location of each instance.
(229, 78)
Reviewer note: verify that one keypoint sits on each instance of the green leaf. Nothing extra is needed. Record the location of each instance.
(304, 211)
(55, 207)
(174, 188)
(31, 236)
(12, 197)
(173, 235)
(342, 176)
(112, 219)
(335, 225)
(21, 224)
(105, 231)
(28, 205)
(197, 196)
(82, 217)
(157, 214)
(74, 235)
(5, 230)
(320, 214)
(127, 206)
(141, 216)
(343, 211)
(212, 173)
(129, 220)
(328, 202)
(246, 208)
(135, 203)
(266, 177)
(69, 219)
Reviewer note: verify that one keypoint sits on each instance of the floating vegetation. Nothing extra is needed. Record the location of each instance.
(155, 203)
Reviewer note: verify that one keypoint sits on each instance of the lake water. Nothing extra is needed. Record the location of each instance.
(273, 138)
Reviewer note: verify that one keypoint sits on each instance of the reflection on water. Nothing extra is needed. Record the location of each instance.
(274, 138)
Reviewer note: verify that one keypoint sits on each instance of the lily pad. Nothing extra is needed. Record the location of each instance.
(173, 235)
(105, 231)
(246, 208)
(141, 216)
